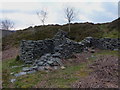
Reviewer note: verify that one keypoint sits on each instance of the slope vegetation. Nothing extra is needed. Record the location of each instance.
(78, 32)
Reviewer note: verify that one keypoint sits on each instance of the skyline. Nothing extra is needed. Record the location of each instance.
(23, 14)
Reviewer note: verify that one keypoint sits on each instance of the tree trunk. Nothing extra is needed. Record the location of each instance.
(69, 27)
(43, 23)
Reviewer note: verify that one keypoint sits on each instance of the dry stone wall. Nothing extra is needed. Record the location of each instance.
(60, 44)
(102, 43)
(31, 50)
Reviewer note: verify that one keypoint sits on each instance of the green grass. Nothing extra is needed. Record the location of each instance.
(54, 79)
(0, 66)
(59, 78)
(107, 52)
(111, 34)
(0, 70)
(7, 69)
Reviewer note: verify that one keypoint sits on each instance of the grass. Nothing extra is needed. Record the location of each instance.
(111, 34)
(107, 52)
(59, 78)
(7, 69)
(0, 71)
(54, 79)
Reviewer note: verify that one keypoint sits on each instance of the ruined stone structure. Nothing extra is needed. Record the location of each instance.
(62, 46)
(31, 50)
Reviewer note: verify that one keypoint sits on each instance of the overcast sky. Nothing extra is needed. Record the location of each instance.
(23, 13)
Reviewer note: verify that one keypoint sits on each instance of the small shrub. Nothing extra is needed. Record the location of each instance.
(17, 58)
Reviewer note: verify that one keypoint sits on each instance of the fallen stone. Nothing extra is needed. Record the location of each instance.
(20, 74)
(26, 69)
(30, 72)
(12, 73)
(62, 67)
(15, 66)
(41, 68)
(92, 51)
(48, 68)
(12, 80)
(55, 67)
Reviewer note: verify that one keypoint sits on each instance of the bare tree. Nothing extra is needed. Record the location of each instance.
(6, 24)
(42, 16)
(70, 15)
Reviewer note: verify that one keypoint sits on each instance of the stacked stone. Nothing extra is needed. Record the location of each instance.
(87, 42)
(42, 47)
(106, 43)
(49, 45)
(60, 38)
(60, 43)
(31, 50)
(64, 45)
(68, 48)
(102, 43)
(27, 51)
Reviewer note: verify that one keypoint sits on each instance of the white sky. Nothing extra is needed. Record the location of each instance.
(23, 12)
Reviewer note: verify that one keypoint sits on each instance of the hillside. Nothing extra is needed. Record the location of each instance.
(78, 32)
(6, 33)
(92, 68)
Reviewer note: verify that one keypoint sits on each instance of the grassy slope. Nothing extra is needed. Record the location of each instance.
(78, 32)
(59, 78)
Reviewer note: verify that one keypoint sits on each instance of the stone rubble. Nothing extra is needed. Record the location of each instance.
(20, 74)
(12, 80)
(17, 66)
(46, 62)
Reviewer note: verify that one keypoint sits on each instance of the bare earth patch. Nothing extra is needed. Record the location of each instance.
(10, 53)
(104, 75)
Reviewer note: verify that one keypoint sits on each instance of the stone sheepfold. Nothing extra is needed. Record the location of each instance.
(49, 52)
